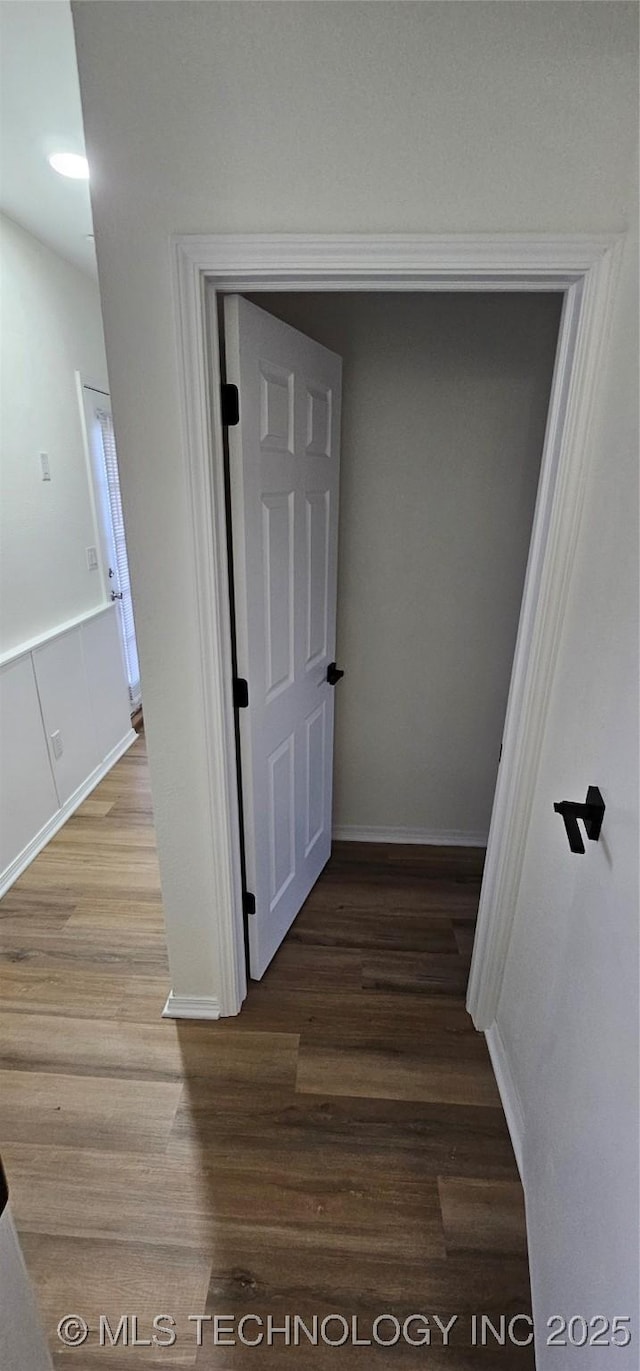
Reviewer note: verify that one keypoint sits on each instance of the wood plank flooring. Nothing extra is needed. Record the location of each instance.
(339, 1148)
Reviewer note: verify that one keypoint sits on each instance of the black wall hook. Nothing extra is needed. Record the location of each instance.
(591, 813)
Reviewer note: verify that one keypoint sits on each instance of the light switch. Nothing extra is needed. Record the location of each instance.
(56, 743)
(44, 465)
(92, 558)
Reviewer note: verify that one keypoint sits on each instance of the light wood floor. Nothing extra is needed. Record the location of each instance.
(339, 1147)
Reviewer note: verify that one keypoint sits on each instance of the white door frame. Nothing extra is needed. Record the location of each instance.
(102, 518)
(585, 269)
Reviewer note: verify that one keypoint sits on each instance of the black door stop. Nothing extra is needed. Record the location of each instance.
(591, 813)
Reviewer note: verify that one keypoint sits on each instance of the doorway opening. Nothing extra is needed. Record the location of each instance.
(585, 270)
(422, 418)
(112, 552)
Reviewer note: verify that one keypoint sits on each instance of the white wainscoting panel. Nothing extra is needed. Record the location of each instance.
(106, 679)
(66, 710)
(71, 682)
(28, 798)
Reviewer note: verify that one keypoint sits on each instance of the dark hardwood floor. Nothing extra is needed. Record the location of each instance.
(339, 1148)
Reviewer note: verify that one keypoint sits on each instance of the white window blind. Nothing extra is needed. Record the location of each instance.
(121, 569)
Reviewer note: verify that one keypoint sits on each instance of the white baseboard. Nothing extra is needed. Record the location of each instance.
(445, 837)
(191, 1007)
(24, 859)
(508, 1092)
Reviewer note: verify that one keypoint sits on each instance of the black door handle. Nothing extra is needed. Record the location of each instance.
(591, 813)
(334, 674)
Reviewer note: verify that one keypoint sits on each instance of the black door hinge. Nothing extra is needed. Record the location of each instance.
(230, 404)
(248, 902)
(240, 693)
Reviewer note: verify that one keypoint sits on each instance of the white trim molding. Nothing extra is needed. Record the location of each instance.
(191, 1007)
(20, 863)
(430, 837)
(23, 649)
(584, 268)
(508, 1092)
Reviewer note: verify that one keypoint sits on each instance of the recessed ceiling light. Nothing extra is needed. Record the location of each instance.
(70, 164)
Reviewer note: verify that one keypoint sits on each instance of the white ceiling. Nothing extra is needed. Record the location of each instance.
(40, 113)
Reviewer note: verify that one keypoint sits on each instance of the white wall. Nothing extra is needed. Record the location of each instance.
(568, 1013)
(51, 325)
(54, 680)
(446, 118)
(443, 415)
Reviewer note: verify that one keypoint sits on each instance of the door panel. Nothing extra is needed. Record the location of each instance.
(284, 472)
(278, 548)
(282, 813)
(315, 776)
(318, 511)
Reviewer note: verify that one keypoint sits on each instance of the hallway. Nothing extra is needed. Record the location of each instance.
(338, 1148)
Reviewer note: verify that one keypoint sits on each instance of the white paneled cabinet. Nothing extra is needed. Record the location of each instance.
(64, 721)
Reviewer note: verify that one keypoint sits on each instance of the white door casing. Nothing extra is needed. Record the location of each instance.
(585, 268)
(284, 458)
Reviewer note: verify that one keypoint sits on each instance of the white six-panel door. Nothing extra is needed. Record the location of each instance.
(284, 467)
